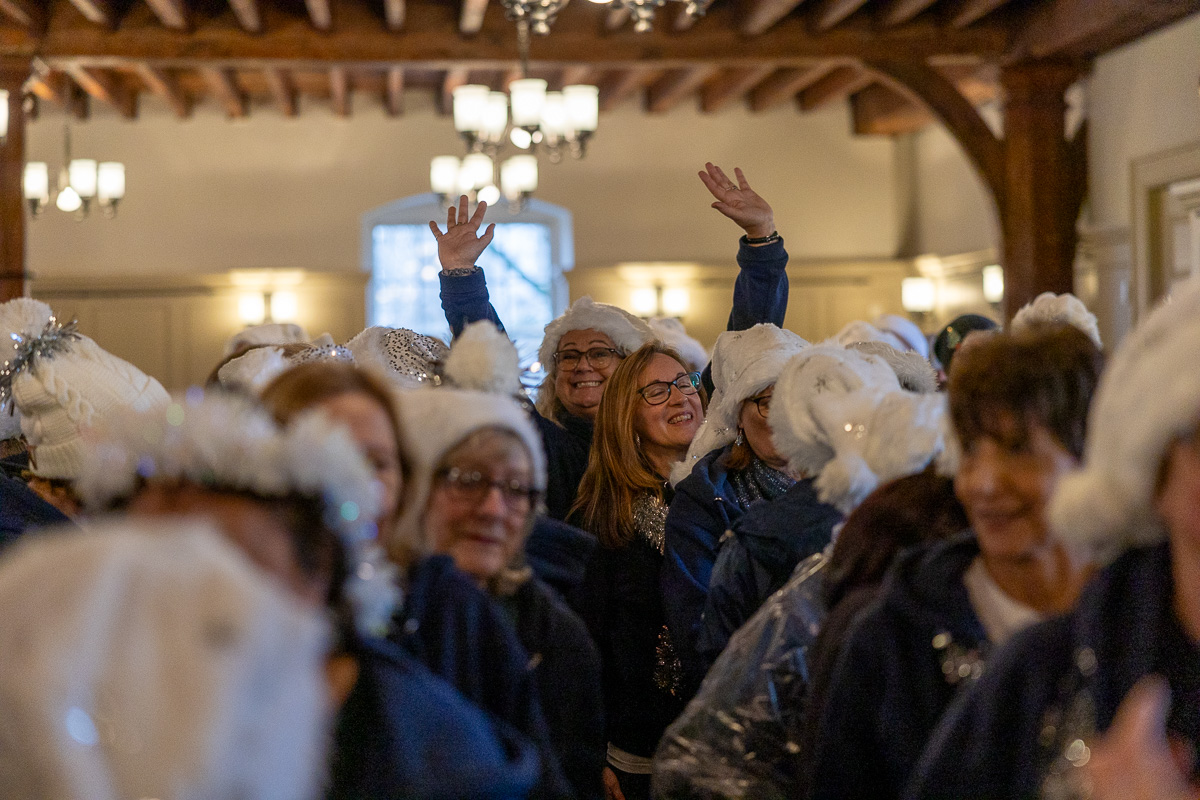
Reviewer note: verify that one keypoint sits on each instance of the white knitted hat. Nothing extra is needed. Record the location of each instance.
(744, 364)
(61, 382)
(409, 359)
(435, 421)
(152, 659)
(252, 371)
(1148, 396)
(840, 415)
(483, 359)
(267, 333)
(1049, 308)
(670, 331)
(627, 332)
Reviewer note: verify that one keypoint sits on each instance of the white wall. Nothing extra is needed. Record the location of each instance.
(955, 212)
(207, 195)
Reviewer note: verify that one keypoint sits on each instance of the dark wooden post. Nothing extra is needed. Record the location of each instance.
(13, 73)
(1040, 195)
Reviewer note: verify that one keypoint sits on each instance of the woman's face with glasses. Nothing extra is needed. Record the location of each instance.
(667, 421)
(481, 503)
(583, 363)
(753, 421)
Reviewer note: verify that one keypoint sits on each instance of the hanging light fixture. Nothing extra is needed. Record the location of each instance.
(557, 122)
(642, 11)
(80, 182)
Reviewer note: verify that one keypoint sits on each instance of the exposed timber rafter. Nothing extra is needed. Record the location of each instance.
(731, 86)
(248, 14)
(470, 20)
(765, 13)
(904, 11)
(339, 91)
(172, 13)
(166, 87)
(105, 87)
(672, 88)
(784, 85)
(220, 82)
(282, 91)
(393, 93)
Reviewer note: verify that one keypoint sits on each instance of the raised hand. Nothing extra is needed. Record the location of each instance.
(739, 202)
(461, 245)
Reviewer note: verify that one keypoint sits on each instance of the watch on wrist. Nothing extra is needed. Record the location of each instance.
(774, 237)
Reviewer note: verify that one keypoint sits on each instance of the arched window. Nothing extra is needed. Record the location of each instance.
(524, 266)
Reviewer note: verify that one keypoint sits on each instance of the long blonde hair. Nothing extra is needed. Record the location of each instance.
(618, 471)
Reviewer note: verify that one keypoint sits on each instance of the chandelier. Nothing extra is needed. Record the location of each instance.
(642, 11)
(81, 181)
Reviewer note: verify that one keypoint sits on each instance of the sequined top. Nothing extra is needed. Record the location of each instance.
(415, 355)
(650, 519)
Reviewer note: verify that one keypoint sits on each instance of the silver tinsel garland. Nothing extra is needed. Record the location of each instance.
(54, 338)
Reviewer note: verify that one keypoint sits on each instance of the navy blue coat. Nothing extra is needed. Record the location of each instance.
(760, 294)
(767, 543)
(1062, 680)
(559, 553)
(703, 509)
(405, 733)
(453, 627)
(905, 658)
(23, 509)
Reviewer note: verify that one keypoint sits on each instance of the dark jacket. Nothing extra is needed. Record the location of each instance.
(623, 610)
(568, 677)
(704, 507)
(906, 657)
(760, 294)
(454, 628)
(405, 733)
(558, 553)
(1061, 681)
(23, 509)
(766, 544)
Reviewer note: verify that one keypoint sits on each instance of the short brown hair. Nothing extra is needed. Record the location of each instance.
(1043, 376)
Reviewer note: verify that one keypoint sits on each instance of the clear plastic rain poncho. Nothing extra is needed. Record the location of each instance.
(738, 736)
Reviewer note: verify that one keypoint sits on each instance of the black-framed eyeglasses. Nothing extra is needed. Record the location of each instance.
(598, 357)
(474, 486)
(659, 392)
(763, 402)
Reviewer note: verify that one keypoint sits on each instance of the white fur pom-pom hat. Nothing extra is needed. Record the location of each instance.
(150, 658)
(907, 336)
(840, 416)
(627, 332)
(670, 331)
(1149, 395)
(484, 359)
(62, 382)
(744, 364)
(1049, 308)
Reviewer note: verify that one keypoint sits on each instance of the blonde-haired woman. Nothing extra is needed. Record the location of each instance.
(647, 418)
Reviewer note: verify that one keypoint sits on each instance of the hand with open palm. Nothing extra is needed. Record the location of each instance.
(461, 245)
(739, 202)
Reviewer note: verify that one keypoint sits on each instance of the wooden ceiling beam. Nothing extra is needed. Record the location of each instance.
(220, 82)
(394, 12)
(54, 87)
(669, 90)
(576, 74)
(393, 93)
(785, 85)
(339, 91)
(454, 78)
(731, 86)
(171, 13)
(881, 111)
(166, 87)
(248, 15)
(1085, 28)
(971, 11)
(762, 14)
(24, 12)
(901, 12)
(616, 18)
(623, 83)
(840, 82)
(107, 88)
(470, 20)
(320, 14)
(832, 13)
(282, 91)
(99, 12)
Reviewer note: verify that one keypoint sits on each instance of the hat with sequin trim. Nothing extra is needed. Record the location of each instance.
(839, 415)
(61, 382)
(408, 358)
(267, 333)
(744, 363)
(252, 371)
(150, 658)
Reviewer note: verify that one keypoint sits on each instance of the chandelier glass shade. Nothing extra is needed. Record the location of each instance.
(555, 122)
(81, 182)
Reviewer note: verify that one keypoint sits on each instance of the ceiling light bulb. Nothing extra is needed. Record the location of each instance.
(69, 200)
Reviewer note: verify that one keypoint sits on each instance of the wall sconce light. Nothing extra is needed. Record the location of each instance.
(252, 308)
(3, 116)
(255, 308)
(993, 283)
(655, 301)
(918, 295)
(284, 306)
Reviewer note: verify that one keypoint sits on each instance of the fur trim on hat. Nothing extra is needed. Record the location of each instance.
(435, 421)
(840, 416)
(908, 336)
(744, 364)
(1149, 395)
(267, 333)
(1049, 308)
(627, 332)
(859, 331)
(252, 371)
(150, 658)
(914, 372)
(484, 359)
(670, 331)
(409, 359)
